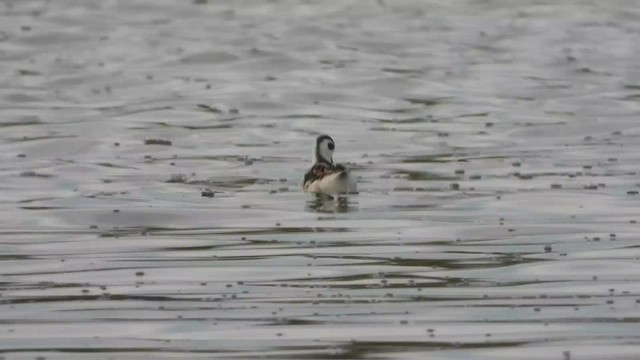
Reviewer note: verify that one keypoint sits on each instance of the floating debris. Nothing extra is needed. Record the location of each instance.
(208, 108)
(157, 142)
(206, 192)
(178, 178)
(31, 173)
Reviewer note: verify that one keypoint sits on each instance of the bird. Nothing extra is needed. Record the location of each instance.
(324, 176)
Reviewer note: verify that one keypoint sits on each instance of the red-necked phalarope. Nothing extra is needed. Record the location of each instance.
(324, 176)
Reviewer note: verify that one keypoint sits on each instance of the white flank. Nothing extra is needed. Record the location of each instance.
(334, 184)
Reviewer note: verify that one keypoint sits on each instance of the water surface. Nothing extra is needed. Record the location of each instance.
(496, 147)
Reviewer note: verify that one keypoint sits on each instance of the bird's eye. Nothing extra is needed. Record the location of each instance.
(331, 146)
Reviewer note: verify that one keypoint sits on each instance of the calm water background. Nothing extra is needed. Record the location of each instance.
(497, 145)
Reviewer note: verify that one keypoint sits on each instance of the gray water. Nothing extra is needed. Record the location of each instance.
(496, 145)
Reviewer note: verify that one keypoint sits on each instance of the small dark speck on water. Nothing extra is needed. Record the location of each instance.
(34, 174)
(208, 193)
(157, 142)
(208, 108)
(139, 273)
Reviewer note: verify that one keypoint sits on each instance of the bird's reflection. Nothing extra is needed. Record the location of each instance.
(323, 203)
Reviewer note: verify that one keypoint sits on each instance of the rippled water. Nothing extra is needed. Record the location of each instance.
(496, 145)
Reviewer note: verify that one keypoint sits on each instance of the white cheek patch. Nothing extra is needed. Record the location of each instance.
(324, 151)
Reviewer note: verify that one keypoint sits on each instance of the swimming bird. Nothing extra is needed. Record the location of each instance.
(324, 176)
